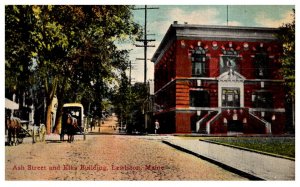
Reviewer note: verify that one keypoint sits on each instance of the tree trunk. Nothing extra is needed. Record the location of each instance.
(58, 123)
(48, 117)
(58, 120)
(60, 95)
(50, 95)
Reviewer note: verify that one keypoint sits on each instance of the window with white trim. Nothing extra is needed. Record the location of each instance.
(199, 68)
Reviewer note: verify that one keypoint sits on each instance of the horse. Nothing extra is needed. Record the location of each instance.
(71, 127)
(14, 127)
(93, 124)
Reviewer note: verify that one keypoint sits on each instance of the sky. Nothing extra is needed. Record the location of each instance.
(159, 20)
(192, 12)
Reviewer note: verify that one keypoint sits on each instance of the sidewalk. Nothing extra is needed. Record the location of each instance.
(257, 165)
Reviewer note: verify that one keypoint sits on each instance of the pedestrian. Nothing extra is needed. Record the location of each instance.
(156, 126)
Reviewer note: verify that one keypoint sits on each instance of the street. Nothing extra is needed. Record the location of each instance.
(108, 157)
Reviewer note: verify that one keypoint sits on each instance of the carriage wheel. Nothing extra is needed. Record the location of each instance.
(20, 140)
(42, 132)
(34, 137)
(42, 135)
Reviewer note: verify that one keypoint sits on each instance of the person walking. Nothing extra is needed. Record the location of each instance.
(156, 126)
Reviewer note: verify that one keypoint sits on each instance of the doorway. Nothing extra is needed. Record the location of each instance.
(230, 97)
(235, 126)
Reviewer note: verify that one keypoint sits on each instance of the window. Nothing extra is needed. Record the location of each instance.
(262, 99)
(199, 62)
(229, 60)
(261, 65)
(199, 98)
(227, 63)
(198, 69)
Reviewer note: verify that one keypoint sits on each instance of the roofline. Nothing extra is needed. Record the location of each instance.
(222, 27)
(174, 27)
(73, 105)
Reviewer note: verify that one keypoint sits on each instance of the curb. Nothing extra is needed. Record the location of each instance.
(231, 135)
(247, 149)
(220, 164)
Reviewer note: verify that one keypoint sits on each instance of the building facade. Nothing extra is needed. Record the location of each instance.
(219, 80)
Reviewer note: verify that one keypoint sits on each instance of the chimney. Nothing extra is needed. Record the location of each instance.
(175, 22)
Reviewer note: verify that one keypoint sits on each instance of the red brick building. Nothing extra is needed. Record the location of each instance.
(219, 79)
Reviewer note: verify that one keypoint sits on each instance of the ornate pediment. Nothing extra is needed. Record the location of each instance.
(231, 76)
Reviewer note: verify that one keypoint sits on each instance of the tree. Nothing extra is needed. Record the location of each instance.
(51, 49)
(18, 63)
(286, 36)
(73, 48)
(128, 103)
(139, 94)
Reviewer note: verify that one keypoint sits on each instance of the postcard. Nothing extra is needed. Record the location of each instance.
(149, 93)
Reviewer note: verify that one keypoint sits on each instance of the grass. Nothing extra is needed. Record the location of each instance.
(284, 146)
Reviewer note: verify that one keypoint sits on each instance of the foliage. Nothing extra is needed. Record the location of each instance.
(128, 103)
(139, 93)
(278, 145)
(287, 36)
(70, 48)
(18, 61)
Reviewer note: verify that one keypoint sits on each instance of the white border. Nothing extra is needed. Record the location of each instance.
(156, 183)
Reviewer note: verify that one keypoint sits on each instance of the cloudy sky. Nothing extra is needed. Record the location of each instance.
(160, 19)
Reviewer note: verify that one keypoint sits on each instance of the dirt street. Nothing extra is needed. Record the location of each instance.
(107, 157)
(108, 126)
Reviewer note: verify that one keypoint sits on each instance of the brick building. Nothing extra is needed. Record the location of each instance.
(219, 79)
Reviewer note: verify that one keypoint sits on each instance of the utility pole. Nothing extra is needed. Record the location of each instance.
(227, 15)
(145, 40)
(131, 67)
(130, 72)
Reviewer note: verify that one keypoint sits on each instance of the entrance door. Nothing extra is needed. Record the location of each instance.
(235, 126)
(230, 97)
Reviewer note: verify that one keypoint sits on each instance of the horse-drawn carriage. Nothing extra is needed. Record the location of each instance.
(72, 121)
(18, 129)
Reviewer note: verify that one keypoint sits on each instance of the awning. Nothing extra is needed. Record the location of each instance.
(9, 104)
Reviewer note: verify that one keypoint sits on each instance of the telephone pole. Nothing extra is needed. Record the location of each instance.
(227, 14)
(130, 73)
(130, 69)
(145, 40)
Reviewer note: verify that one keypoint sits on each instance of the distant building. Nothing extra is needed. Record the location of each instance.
(219, 79)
